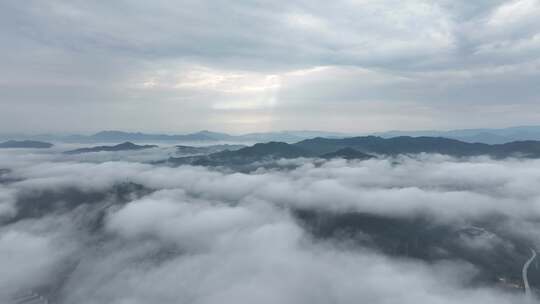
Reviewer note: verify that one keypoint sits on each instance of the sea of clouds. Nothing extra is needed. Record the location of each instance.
(210, 235)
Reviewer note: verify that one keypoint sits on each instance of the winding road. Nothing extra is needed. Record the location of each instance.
(524, 273)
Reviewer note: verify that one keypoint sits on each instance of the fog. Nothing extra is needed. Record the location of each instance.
(127, 231)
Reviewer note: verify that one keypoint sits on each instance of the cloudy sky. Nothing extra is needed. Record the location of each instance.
(244, 66)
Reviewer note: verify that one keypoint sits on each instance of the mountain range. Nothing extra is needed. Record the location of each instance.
(191, 150)
(423, 144)
(487, 136)
(25, 144)
(127, 146)
(202, 136)
(363, 147)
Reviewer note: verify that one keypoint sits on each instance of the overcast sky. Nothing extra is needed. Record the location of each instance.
(245, 66)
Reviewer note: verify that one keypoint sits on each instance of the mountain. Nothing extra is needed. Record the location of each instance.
(120, 136)
(271, 149)
(488, 136)
(25, 144)
(395, 145)
(207, 136)
(244, 157)
(421, 238)
(206, 149)
(198, 136)
(127, 146)
(287, 136)
(201, 136)
(423, 144)
(347, 153)
(363, 147)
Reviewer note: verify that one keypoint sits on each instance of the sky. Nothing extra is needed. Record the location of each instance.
(249, 66)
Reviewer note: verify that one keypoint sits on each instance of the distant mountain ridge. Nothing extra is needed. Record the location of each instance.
(201, 136)
(363, 147)
(25, 144)
(208, 136)
(488, 136)
(347, 153)
(244, 156)
(181, 149)
(423, 144)
(126, 146)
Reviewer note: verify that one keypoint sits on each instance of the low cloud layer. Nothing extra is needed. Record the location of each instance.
(194, 235)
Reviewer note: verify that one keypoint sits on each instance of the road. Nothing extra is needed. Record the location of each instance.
(524, 273)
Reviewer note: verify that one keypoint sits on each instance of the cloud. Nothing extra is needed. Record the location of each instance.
(141, 62)
(7, 202)
(440, 186)
(206, 236)
(173, 217)
(31, 255)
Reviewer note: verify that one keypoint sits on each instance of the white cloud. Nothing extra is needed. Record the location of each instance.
(7, 202)
(28, 259)
(207, 236)
(514, 12)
